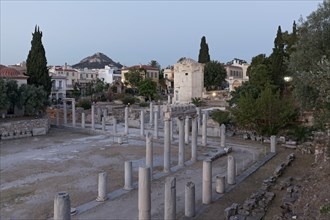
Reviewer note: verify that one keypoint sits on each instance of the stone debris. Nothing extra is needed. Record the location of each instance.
(255, 207)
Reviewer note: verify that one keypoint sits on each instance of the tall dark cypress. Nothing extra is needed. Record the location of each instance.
(278, 60)
(36, 63)
(204, 56)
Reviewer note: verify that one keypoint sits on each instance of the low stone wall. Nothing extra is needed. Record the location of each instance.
(23, 128)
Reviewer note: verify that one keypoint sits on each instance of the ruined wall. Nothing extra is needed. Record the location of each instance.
(23, 128)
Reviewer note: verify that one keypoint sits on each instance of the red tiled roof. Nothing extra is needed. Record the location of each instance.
(141, 66)
(11, 73)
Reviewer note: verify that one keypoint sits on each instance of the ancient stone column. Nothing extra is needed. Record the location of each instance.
(57, 118)
(167, 145)
(128, 176)
(198, 117)
(207, 181)
(83, 120)
(168, 99)
(102, 187)
(62, 206)
(170, 198)
(171, 129)
(149, 153)
(105, 112)
(220, 184)
(65, 114)
(142, 123)
(156, 125)
(158, 111)
(181, 141)
(194, 134)
(231, 170)
(151, 116)
(103, 123)
(223, 135)
(99, 115)
(273, 144)
(204, 129)
(186, 130)
(73, 104)
(144, 194)
(126, 120)
(114, 124)
(189, 200)
(93, 117)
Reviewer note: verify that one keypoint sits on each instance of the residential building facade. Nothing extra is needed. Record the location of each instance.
(145, 72)
(236, 73)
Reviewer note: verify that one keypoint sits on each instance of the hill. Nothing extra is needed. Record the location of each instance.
(96, 61)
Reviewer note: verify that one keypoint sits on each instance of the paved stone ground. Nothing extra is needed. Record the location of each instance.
(34, 169)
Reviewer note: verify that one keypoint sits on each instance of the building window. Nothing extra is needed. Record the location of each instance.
(186, 74)
(72, 74)
(60, 84)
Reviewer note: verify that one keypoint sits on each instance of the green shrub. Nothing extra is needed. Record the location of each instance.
(221, 117)
(84, 103)
(144, 104)
(197, 101)
(128, 99)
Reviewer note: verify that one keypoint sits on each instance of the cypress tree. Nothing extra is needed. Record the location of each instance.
(204, 56)
(278, 66)
(36, 63)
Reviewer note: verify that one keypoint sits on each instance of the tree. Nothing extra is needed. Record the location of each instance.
(277, 58)
(154, 63)
(36, 63)
(148, 88)
(204, 55)
(214, 74)
(33, 99)
(12, 95)
(259, 71)
(310, 64)
(4, 102)
(133, 77)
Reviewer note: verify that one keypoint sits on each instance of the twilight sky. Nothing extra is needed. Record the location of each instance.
(135, 32)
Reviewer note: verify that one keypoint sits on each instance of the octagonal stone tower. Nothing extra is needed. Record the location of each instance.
(188, 80)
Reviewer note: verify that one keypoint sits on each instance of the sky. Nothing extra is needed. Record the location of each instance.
(136, 32)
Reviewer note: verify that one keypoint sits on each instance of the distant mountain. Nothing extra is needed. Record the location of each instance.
(96, 61)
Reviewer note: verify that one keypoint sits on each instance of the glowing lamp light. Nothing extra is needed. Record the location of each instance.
(214, 94)
(287, 78)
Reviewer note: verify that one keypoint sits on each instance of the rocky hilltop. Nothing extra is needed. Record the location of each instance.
(96, 61)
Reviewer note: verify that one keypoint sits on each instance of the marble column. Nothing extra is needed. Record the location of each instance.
(171, 129)
(103, 123)
(181, 141)
(57, 118)
(223, 135)
(126, 120)
(142, 123)
(198, 117)
(194, 134)
(73, 104)
(83, 120)
(189, 201)
(167, 145)
(93, 117)
(273, 144)
(207, 181)
(186, 132)
(168, 99)
(231, 170)
(62, 206)
(128, 176)
(204, 129)
(151, 116)
(102, 187)
(156, 125)
(170, 198)
(149, 153)
(220, 184)
(114, 125)
(65, 114)
(144, 194)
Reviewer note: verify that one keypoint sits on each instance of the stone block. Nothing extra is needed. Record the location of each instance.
(38, 131)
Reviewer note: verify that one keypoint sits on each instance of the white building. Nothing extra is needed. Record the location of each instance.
(72, 75)
(109, 74)
(87, 75)
(58, 87)
(188, 80)
(236, 73)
